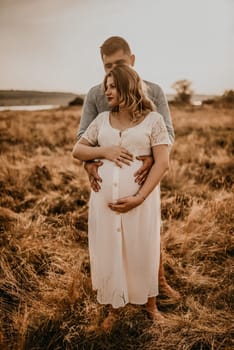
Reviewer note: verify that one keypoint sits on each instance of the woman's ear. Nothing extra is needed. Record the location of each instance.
(132, 60)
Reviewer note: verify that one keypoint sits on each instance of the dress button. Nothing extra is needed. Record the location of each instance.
(115, 184)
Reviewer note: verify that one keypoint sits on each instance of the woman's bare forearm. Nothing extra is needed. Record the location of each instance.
(117, 154)
(86, 152)
(155, 175)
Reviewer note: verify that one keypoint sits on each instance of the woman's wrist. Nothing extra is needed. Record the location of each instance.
(140, 195)
(102, 151)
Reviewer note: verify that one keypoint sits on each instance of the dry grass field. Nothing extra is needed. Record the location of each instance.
(46, 299)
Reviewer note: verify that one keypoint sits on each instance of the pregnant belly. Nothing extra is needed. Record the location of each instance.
(118, 182)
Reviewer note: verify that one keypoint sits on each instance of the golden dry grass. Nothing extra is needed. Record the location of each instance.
(46, 299)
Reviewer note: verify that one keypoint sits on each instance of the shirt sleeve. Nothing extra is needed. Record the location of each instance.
(91, 133)
(89, 113)
(159, 134)
(163, 109)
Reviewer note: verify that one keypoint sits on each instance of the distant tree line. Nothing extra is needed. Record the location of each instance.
(184, 94)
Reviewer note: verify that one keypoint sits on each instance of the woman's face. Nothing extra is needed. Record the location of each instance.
(111, 92)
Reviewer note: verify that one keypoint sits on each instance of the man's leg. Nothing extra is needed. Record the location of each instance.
(152, 310)
(164, 287)
(110, 319)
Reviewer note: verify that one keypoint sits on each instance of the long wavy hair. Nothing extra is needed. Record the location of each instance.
(131, 90)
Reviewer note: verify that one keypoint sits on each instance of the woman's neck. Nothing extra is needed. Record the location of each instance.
(121, 120)
(124, 115)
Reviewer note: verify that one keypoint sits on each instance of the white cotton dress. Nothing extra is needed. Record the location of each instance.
(124, 248)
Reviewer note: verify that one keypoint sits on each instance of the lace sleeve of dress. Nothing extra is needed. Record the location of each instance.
(91, 133)
(159, 134)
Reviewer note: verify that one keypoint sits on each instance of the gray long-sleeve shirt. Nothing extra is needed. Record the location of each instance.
(96, 102)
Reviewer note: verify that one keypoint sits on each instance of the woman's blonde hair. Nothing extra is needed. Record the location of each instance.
(131, 90)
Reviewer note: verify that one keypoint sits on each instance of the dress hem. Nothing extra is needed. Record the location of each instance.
(129, 302)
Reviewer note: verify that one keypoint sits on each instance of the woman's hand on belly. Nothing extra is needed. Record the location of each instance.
(123, 205)
(117, 154)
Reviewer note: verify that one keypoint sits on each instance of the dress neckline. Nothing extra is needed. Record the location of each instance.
(131, 127)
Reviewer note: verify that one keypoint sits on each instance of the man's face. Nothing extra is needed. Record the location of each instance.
(119, 57)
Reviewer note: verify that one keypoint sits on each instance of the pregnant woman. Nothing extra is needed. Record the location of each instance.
(124, 217)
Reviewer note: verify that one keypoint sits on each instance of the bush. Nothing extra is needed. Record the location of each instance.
(227, 98)
(183, 90)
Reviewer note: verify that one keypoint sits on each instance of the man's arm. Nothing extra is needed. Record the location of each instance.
(163, 109)
(89, 112)
(158, 97)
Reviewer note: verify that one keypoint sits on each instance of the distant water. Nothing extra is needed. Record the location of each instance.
(28, 108)
(196, 101)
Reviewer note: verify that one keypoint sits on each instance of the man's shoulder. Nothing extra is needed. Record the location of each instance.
(96, 97)
(153, 86)
(96, 90)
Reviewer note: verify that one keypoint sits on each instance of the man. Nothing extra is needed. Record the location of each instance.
(115, 50)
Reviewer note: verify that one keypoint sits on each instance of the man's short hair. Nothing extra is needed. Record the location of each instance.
(114, 44)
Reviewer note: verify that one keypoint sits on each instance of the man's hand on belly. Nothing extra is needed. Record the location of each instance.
(141, 174)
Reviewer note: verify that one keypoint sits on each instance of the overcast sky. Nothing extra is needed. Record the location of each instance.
(54, 45)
